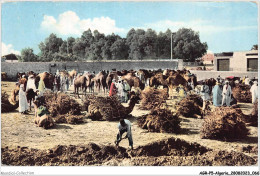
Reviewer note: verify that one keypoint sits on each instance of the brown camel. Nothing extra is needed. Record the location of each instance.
(89, 81)
(48, 79)
(14, 93)
(100, 80)
(71, 75)
(157, 80)
(109, 108)
(80, 82)
(132, 80)
(176, 80)
(112, 75)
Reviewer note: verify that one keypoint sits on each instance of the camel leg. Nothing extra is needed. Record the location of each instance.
(30, 102)
(75, 90)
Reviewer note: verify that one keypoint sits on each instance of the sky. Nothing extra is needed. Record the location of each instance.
(225, 26)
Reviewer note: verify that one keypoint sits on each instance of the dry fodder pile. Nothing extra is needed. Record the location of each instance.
(190, 106)
(63, 108)
(151, 98)
(89, 154)
(168, 152)
(160, 120)
(70, 119)
(104, 108)
(241, 93)
(224, 123)
(6, 106)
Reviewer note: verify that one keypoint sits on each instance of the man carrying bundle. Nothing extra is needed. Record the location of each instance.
(124, 126)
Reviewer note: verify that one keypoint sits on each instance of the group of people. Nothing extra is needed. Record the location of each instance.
(120, 88)
(61, 82)
(29, 87)
(223, 96)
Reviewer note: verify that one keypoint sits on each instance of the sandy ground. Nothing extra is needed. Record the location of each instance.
(20, 130)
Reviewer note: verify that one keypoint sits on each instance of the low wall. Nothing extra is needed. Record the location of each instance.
(13, 68)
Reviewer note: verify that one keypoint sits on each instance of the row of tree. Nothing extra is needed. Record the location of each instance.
(138, 45)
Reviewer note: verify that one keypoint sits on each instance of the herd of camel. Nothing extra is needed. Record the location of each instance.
(103, 79)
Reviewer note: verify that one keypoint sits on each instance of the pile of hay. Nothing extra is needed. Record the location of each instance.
(62, 106)
(106, 108)
(224, 123)
(191, 106)
(6, 106)
(151, 98)
(70, 119)
(241, 93)
(160, 120)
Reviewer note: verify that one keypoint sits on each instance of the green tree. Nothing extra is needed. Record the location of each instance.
(78, 48)
(95, 50)
(27, 55)
(119, 49)
(150, 44)
(254, 47)
(187, 45)
(50, 46)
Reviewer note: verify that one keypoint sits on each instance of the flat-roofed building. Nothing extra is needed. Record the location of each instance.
(236, 61)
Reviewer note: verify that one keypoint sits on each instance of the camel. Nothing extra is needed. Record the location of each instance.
(14, 93)
(71, 75)
(132, 80)
(80, 82)
(100, 80)
(48, 79)
(109, 108)
(157, 79)
(174, 81)
(44, 121)
(89, 81)
(112, 75)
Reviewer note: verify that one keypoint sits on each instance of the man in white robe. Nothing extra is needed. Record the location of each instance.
(31, 83)
(23, 105)
(226, 94)
(120, 90)
(254, 92)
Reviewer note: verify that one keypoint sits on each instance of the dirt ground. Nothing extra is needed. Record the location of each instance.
(20, 130)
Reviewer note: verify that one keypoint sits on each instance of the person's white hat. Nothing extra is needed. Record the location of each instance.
(226, 81)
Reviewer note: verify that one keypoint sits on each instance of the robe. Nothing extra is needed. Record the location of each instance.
(254, 92)
(226, 99)
(23, 105)
(31, 84)
(112, 90)
(120, 89)
(41, 87)
(126, 90)
(217, 95)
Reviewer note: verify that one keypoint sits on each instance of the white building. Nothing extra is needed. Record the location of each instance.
(237, 61)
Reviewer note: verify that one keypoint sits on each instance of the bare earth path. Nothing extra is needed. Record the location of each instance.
(20, 130)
